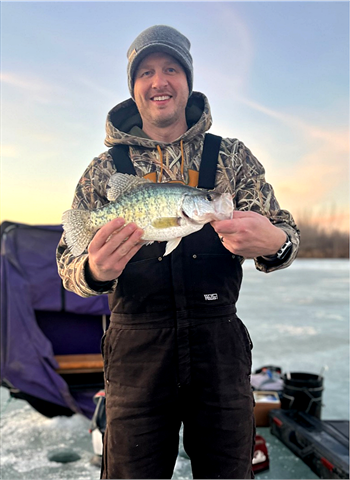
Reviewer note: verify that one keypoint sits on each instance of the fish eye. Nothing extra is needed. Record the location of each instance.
(209, 197)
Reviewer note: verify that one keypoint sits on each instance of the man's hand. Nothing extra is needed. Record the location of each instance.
(250, 234)
(111, 249)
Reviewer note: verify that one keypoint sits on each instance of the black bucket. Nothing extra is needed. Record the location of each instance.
(302, 392)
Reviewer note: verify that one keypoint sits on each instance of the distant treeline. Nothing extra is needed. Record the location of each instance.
(318, 242)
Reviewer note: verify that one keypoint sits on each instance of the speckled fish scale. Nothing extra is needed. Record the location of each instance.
(166, 212)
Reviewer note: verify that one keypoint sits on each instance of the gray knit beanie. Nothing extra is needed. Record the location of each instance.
(160, 38)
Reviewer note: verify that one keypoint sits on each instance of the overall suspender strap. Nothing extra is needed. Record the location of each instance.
(121, 159)
(207, 170)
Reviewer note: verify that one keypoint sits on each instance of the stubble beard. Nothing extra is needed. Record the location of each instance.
(164, 122)
(169, 119)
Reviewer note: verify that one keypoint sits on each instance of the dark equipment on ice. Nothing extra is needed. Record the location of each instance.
(322, 444)
(302, 392)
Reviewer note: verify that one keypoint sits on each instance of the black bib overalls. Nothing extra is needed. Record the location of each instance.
(175, 352)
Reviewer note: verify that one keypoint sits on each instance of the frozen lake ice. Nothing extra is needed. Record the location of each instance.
(298, 319)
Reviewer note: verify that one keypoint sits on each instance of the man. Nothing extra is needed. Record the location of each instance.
(175, 351)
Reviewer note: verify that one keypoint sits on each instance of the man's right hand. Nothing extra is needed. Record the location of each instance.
(111, 249)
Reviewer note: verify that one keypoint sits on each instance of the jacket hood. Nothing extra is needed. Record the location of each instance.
(123, 125)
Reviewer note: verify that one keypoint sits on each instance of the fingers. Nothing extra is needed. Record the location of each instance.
(240, 222)
(243, 214)
(225, 226)
(127, 256)
(105, 232)
(115, 235)
(125, 240)
(112, 247)
(249, 234)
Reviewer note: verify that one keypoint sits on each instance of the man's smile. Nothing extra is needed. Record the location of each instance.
(161, 98)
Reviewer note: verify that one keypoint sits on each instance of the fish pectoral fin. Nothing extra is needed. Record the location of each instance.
(148, 242)
(166, 222)
(171, 245)
(120, 183)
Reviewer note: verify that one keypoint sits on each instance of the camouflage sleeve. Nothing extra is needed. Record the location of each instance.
(90, 193)
(252, 192)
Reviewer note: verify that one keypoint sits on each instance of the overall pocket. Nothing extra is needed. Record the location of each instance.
(249, 338)
(109, 344)
(243, 340)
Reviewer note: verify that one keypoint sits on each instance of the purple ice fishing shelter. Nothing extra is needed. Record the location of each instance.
(40, 320)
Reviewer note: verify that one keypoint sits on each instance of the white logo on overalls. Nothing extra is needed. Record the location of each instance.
(211, 296)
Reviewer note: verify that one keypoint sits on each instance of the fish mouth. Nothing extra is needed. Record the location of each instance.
(224, 207)
(217, 207)
(188, 218)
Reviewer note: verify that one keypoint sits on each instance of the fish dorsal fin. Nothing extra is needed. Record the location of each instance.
(120, 183)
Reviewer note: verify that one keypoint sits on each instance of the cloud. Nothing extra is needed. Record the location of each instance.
(229, 68)
(319, 177)
(317, 184)
(33, 88)
(94, 87)
(26, 82)
(329, 136)
(240, 47)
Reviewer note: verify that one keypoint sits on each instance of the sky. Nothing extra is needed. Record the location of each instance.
(276, 75)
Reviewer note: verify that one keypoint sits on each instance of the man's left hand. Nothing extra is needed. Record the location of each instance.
(249, 234)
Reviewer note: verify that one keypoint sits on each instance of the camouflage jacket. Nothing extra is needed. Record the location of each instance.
(238, 172)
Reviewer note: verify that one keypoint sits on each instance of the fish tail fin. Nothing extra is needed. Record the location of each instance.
(78, 230)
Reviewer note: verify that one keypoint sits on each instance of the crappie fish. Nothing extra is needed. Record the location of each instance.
(165, 211)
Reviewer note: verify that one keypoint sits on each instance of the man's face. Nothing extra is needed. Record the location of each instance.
(161, 91)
